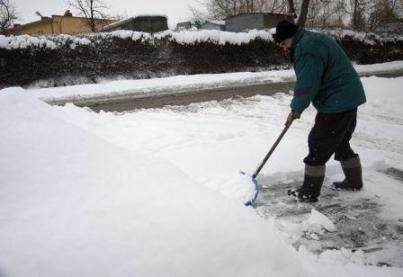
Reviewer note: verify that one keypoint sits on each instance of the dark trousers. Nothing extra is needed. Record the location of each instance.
(330, 135)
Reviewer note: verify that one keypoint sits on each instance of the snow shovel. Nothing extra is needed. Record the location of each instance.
(252, 201)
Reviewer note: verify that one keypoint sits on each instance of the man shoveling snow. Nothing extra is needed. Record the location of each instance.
(325, 77)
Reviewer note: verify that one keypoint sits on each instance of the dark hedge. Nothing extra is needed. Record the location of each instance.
(115, 57)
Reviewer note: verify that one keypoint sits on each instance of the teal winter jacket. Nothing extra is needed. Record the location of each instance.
(325, 75)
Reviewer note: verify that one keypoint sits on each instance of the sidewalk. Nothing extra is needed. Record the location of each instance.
(227, 84)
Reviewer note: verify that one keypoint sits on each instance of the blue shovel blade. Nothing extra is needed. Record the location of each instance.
(252, 201)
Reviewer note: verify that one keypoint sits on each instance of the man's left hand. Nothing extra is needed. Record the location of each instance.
(293, 115)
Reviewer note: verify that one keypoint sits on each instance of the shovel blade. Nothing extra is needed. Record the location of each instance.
(256, 193)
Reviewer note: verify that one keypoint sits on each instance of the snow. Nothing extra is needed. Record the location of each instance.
(51, 42)
(73, 204)
(158, 192)
(213, 36)
(182, 37)
(25, 41)
(379, 67)
(177, 84)
(122, 34)
(318, 223)
(180, 84)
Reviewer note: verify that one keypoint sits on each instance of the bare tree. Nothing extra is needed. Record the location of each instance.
(369, 14)
(221, 9)
(91, 10)
(381, 13)
(291, 7)
(327, 13)
(303, 13)
(358, 14)
(198, 17)
(7, 15)
(276, 6)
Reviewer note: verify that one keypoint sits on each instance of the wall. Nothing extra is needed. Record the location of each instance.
(58, 25)
(150, 25)
(75, 25)
(35, 28)
(212, 26)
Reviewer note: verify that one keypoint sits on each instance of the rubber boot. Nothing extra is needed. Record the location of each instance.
(313, 180)
(353, 175)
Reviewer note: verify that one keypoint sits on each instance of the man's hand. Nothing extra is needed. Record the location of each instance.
(293, 115)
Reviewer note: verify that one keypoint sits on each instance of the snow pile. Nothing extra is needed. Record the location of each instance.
(72, 41)
(318, 223)
(311, 227)
(72, 204)
(124, 34)
(214, 36)
(50, 42)
(62, 40)
(25, 41)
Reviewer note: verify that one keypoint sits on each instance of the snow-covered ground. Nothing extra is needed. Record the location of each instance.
(158, 192)
(181, 84)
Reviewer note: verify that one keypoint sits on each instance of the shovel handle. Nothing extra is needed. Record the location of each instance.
(287, 126)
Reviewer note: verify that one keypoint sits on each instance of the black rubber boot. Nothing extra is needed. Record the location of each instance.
(313, 180)
(353, 172)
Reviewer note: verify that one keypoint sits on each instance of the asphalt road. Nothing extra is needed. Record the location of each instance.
(132, 102)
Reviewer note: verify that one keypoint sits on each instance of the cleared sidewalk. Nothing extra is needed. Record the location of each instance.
(126, 95)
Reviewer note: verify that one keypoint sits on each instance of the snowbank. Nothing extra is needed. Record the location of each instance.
(72, 204)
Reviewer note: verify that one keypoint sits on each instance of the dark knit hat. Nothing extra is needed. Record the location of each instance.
(284, 29)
